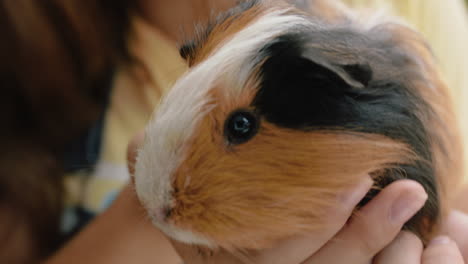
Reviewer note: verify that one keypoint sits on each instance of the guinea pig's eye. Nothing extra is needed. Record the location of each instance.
(241, 126)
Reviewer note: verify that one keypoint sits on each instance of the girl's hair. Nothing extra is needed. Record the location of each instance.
(56, 63)
(53, 55)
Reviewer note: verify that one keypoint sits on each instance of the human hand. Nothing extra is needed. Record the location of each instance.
(407, 248)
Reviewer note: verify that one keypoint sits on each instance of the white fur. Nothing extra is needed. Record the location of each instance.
(184, 236)
(173, 125)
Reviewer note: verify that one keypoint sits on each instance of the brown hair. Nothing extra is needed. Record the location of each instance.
(57, 59)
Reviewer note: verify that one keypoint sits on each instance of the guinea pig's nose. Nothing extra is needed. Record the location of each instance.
(163, 214)
(167, 212)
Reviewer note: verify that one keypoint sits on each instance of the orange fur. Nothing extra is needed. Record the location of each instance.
(222, 32)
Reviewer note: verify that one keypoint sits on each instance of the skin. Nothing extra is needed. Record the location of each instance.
(373, 234)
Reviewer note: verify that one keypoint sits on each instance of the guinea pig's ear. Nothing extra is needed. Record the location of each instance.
(301, 84)
(300, 61)
(355, 74)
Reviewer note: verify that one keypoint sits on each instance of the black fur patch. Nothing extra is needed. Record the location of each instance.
(300, 91)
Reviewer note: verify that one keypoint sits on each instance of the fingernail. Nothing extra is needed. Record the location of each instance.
(440, 240)
(406, 206)
(352, 197)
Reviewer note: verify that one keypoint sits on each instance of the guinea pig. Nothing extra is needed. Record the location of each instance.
(286, 104)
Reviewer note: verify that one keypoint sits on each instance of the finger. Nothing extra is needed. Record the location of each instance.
(374, 226)
(132, 150)
(456, 227)
(297, 249)
(407, 248)
(442, 250)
